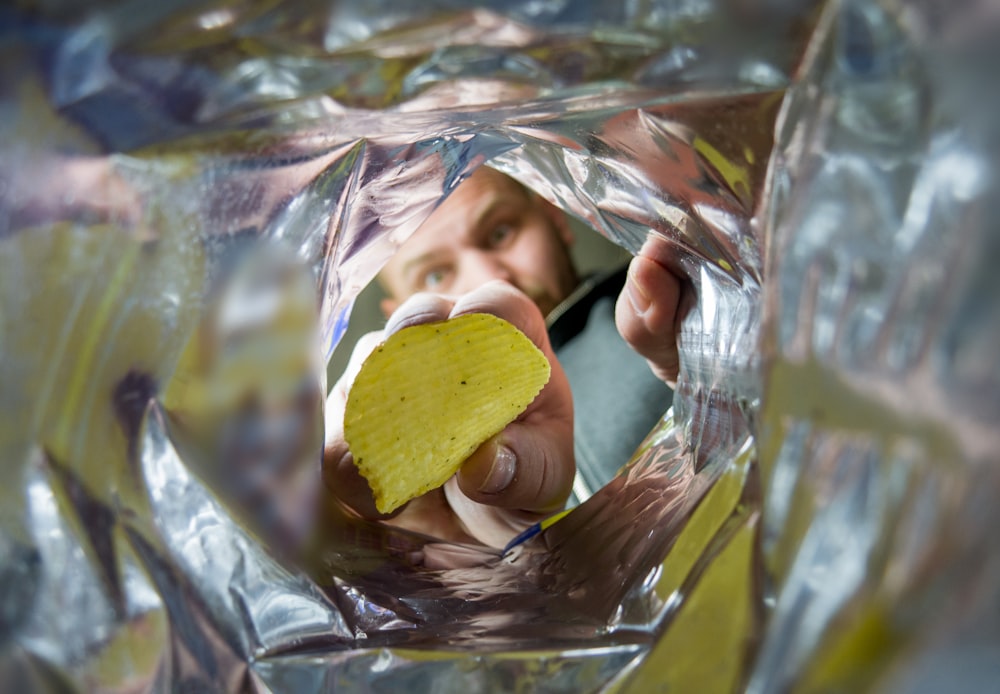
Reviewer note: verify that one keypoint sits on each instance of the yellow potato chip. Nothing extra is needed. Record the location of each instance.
(430, 395)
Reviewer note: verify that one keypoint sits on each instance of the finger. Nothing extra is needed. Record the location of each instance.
(342, 478)
(419, 308)
(646, 315)
(530, 464)
(515, 479)
(527, 467)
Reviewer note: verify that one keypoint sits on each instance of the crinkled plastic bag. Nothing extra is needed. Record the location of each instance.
(193, 194)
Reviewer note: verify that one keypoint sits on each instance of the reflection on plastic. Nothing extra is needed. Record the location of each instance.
(191, 199)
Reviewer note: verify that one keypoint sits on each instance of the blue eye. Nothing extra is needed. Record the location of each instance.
(434, 278)
(500, 233)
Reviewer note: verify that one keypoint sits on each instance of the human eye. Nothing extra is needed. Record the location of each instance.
(500, 234)
(434, 278)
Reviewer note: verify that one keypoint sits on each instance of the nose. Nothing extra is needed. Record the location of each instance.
(481, 267)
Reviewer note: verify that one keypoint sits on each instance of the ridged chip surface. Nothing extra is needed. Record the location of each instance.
(431, 394)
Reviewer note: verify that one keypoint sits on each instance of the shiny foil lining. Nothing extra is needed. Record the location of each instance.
(192, 196)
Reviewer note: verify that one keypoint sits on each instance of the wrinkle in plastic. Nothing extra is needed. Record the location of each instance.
(193, 196)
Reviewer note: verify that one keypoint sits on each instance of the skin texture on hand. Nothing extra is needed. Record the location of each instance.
(648, 309)
(513, 479)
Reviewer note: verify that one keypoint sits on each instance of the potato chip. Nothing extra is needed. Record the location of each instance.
(430, 395)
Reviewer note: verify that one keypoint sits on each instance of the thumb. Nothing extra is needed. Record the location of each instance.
(529, 466)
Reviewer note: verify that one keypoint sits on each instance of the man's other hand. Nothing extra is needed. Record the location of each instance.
(648, 309)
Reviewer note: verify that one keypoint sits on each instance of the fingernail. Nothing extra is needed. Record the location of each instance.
(502, 472)
(346, 460)
(639, 299)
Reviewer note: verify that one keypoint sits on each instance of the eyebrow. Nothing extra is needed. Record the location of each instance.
(422, 259)
(502, 199)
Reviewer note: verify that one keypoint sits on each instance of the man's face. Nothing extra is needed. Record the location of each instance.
(488, 228)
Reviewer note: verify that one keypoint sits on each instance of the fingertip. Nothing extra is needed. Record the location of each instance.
(420, 308)
(342, 479)
(483, 474)
(660, 250)
(635, 290)
(653, 278)
(646, 314)
(525, 467)
(500, 474)
(631, 307)
(336, 461)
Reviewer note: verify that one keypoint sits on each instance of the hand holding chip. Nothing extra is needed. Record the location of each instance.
(516, 477)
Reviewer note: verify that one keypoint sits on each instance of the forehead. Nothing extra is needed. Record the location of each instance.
(476, 199)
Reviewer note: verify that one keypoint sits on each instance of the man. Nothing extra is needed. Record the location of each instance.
(496, 247)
